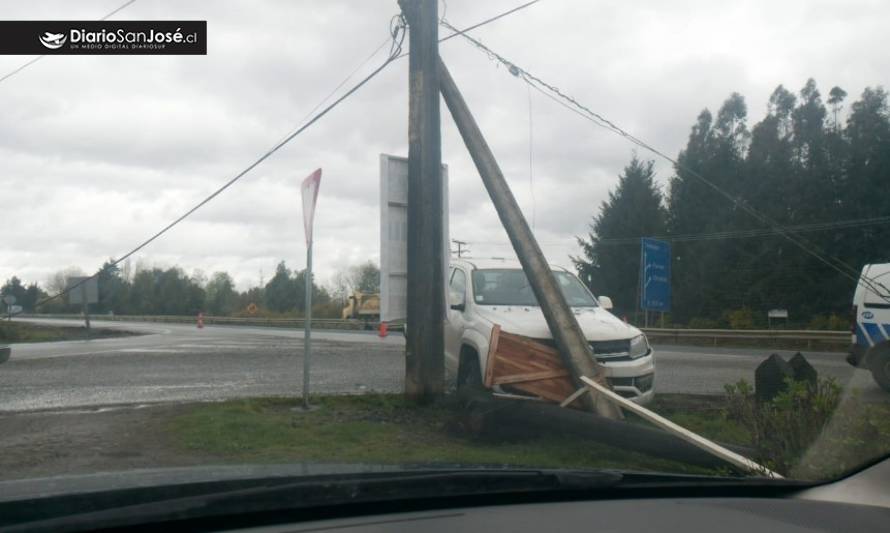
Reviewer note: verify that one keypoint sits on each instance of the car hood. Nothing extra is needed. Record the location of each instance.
(596, 323)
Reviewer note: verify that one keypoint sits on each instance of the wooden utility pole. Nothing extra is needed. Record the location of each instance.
(460, 247)
(425, 361)
(570, 340)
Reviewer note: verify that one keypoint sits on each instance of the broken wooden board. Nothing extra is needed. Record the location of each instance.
(528, 366)
(693, 438)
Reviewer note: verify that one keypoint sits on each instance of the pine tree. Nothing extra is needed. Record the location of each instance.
(634, 209)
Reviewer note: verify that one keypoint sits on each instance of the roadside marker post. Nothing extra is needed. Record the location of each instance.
(309, 190)
(9, 300)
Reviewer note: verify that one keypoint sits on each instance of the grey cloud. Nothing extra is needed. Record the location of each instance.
(99, 152)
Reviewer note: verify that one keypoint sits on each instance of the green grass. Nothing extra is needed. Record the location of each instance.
(704, 415)
(379, 429)
(11, 332)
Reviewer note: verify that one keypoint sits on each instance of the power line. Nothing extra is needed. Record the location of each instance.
(38, 58)
(834, 263)
(478, 24)
(531, 173)
(397, 35)
(486, 21)
(762, 232)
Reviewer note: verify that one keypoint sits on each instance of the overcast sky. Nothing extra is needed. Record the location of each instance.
(98, 152)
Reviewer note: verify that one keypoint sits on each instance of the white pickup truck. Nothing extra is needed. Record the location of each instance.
(493, 291)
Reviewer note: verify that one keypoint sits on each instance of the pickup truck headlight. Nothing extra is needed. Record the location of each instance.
(639, 346)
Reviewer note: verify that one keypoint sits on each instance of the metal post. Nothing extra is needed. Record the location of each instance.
(573, 346)
(307, 327)
(425, 356)
(86, 307)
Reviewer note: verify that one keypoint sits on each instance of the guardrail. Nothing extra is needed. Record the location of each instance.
(320, 323)
(776, 337)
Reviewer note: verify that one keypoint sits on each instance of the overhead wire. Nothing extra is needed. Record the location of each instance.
(531, 171)
(30, 62)
(723, 235)
(397, 36)
(760, 232)
(479, 24)
(836, 264)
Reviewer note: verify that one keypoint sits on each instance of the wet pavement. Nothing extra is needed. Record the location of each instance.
(178, 362)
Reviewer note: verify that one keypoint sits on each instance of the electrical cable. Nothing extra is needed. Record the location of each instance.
(832, 262)
(38, 58)
(764, 232)
(478, 24)
(397, 35)
(531, 173)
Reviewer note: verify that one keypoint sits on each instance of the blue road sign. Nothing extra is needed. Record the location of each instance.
(655, 275)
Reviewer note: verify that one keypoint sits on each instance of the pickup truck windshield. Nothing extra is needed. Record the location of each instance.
(510, 286)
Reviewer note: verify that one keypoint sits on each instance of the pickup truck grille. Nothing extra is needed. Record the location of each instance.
(604, 351)
(611, 350)
(642, 383)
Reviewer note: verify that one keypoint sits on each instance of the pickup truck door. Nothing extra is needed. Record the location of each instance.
(454, 323)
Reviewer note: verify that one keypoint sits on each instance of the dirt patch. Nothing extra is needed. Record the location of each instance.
(38, 444)
(369, 429)
(13, 332)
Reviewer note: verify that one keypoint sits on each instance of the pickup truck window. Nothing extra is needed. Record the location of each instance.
(510, 286)
(458, 287)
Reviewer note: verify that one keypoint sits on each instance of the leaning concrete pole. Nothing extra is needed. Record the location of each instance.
(570, 340)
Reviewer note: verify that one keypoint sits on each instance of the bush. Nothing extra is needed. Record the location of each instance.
(833, 322)
(741, 318)
(704, 323)
(784, 428)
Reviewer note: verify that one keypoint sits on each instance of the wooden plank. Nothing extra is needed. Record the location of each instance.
(492, 355)
(527, 366)
(693, 438)
(534, 376)
(575, 395)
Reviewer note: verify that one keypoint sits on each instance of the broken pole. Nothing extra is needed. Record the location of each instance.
(570, 340)
(425, 355)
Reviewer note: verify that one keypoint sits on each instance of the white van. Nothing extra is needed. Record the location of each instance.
(871, 324)
(494, 291)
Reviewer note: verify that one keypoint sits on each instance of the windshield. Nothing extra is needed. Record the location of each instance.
(511, 287)
(291, 233)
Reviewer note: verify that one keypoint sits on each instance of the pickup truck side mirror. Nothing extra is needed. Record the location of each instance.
(458, 300)
(605, 302)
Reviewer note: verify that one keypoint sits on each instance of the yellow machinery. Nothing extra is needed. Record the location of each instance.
(362, 305)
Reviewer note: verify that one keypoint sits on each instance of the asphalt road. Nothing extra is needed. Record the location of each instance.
(178, 362)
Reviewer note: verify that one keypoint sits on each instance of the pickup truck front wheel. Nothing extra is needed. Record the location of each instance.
(469, 373)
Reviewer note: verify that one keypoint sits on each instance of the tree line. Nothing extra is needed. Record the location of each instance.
(170, 291)
(803, 166)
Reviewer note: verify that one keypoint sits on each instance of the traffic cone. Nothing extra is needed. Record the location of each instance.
(200, 320)
(383, 331)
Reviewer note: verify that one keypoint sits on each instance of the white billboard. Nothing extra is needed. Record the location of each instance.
(394, 235)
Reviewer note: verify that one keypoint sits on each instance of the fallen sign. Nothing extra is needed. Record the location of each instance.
(526, 365)
(691, 437)
(534, 368)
